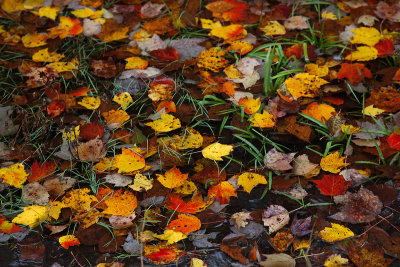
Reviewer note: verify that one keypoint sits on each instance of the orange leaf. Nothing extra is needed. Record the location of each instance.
(118, 202)
(333, 162)
(38, 173)
(384, 47)
(352, 72)
(162, 253)
(165, 55)
(223, 192)
(128, 161)
(8, 227)
(176, 203)
(321, 112)
(251, 105)
(67, 241)
(168, 105)
(115, 117)
(172, 178)
(185, 224)
(282, 240)
(55, 108)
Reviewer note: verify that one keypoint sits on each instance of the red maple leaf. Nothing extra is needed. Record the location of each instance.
(177, 204)
(39, 172)
(394, 141)
(90, 131)
(384, 47)
(332, 185)
(167, 54)
(352, 72)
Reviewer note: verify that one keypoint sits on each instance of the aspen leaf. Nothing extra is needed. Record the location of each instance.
(34, 40)
(167, 123)
(32, 216)
(263, 120)
(249, 180)
(372, 111)
(64, 66)
(333, 162)
(14, 175)
(90, 102)
(328, 15)
(172, 178)
(171, 236)
(335, 233)
(216, 151)
(67, 241)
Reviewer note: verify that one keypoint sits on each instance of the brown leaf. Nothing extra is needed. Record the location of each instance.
(234, 252)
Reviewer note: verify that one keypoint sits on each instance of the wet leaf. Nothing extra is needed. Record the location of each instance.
(67, 241)
(216, 151)
(250, 180)
(185, 224)
(172, 178)
(333, 162)
(332, 185)
(335, 233)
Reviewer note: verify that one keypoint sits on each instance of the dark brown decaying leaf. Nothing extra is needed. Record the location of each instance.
(360, 207)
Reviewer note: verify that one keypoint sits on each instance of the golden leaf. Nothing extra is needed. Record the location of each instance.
(333, 162)
(171, 236)
(335, 233)
(250, 180)
(372, 111)
(264, 120)
(128, 161)
(366, 35)
(216, 151)
(32, 216)
(136, 63)
(363, 53)
(172, 178)
(90, 102)
(44, 56)
(273, 27)
(15, 175)
(167, 123)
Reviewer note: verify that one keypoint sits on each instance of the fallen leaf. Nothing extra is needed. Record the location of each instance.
(222, 191)
(167, 123)
(332, 185)
(264, 120)
(278, 260)
(172, 178)
(281, 241)
(14, 175)
(67, 241)
(335, 260)
(185, 224)
(162, 253)
(335, 233)
(42, 171)
(275, 217)
(278, 161)
(171, 236)
(249, 180)
(216, 151)
(372, 111)
(239, 219)
(333, 162)
(32, 216)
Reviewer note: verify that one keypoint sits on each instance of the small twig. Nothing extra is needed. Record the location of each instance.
(76, 259)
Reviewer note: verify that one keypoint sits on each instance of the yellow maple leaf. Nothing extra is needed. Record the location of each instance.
(128, 161)
(83, 13)
(304, 85)
(229, 33)
(314, 69)
(372, 111)
(79, 200)
(264, 120)
(32, 216)
(136, 63)
(115, 117)
(366, 35)
(216, 151)
(49, 12)
(120, 203)
(124, 99)
(34, 40)
(336, 260)
(249, 180)
(335, 233)
(273, 27)
(171, 236)
(232, 72)
(44, 56)
(172, 178)
(55, 209)
(349, 129)
(186, 189)
(363, 53)
(64, 66)
(167, 123)
(14, 175)
(333, 162)
(90, 102)
(141, 183)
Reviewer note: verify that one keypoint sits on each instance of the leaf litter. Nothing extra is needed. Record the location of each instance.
(200, 132)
